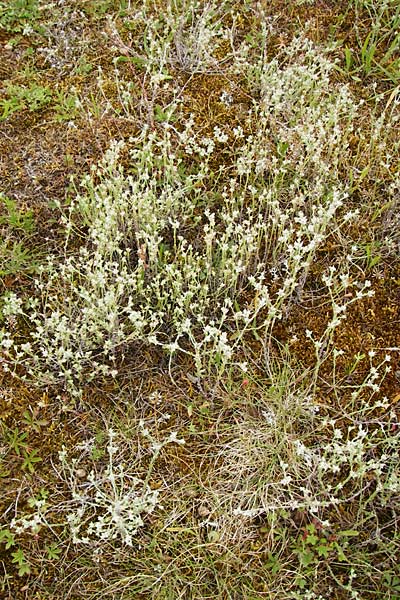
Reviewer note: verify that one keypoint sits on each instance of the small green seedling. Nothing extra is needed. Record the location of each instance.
(15, 218)
(19, 559)
(7, 538)
(30, 459)
(32, 421)
(16, 440)
(53, 552)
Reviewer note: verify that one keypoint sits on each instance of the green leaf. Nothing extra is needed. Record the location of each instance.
(273, 564)
(301, 582)
(24, 569)
(306, 557)
(18, 557)
(323, 550)
(340, 554)
(348, 58)
(15, 439)
(162, 116)
(53, 551)
(312, 539)
(7, 537)
(30, 459)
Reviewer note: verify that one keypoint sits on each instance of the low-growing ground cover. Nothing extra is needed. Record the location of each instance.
(200, 299)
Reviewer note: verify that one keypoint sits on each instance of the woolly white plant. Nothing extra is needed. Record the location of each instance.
(176, 259)
(183, 36)
(108, 504)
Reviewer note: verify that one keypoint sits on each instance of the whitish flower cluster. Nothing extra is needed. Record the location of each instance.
(166, 262)
(111, 504)
(108, 503)
(356, 455)
(100, 516)
(355, 463)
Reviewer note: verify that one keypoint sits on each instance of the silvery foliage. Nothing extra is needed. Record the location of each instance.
(107, 504)
(176, 259)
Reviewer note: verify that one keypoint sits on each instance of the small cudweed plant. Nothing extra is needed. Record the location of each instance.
(111, 504)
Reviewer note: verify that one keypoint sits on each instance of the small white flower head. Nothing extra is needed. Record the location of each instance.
(173, 438)
(226, 98)
(238, 132)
